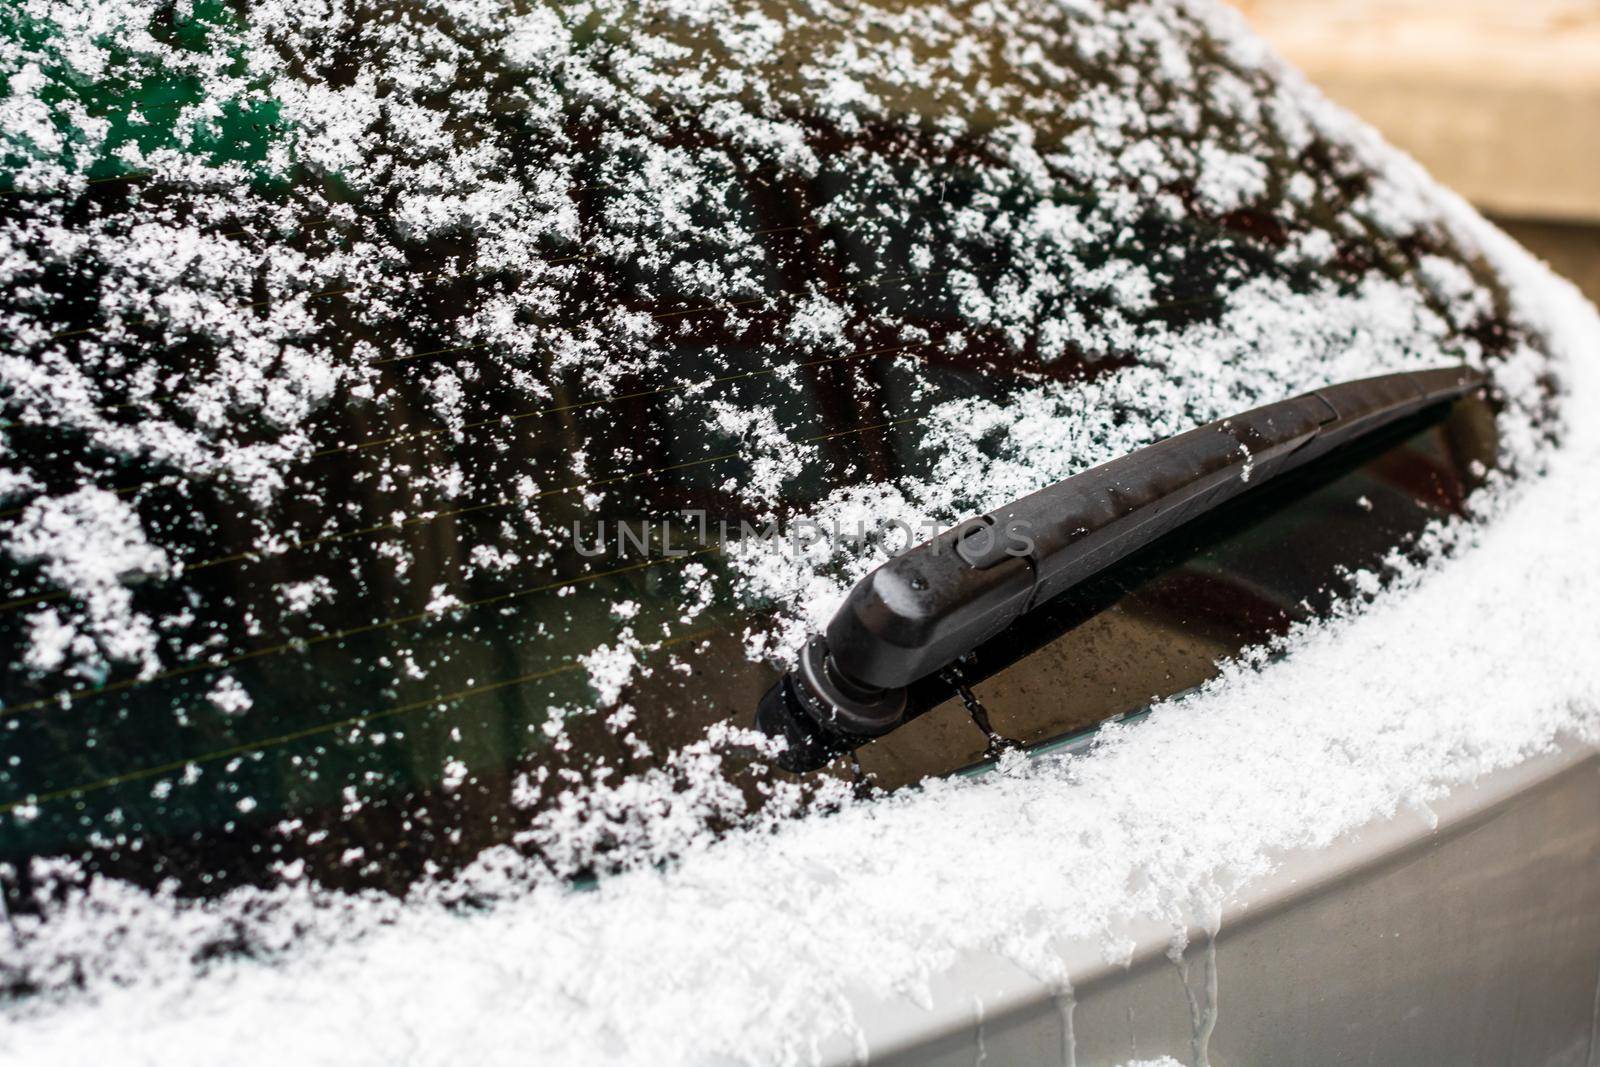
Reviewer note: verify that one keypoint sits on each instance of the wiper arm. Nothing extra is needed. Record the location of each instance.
(931, 605)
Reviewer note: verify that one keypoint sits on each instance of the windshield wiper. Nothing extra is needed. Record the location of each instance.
(933, 604)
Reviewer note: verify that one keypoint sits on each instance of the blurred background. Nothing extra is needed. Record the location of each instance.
(1500, 99)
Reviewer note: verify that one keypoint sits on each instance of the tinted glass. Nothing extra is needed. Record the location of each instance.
(324, 407)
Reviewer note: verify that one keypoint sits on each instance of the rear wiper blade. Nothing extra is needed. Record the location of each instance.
(930, 606)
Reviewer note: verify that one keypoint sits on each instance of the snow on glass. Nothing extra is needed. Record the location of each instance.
(270, 269)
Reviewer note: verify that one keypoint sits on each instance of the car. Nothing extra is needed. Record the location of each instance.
(434, 431)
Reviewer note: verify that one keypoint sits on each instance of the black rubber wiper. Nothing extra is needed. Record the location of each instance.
(931, 605)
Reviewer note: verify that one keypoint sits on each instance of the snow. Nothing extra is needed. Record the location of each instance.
(1055, 278)
(774, 459)
(229, 696)
(610, 667)
(751, 949)
(90, 543)
(750, 945)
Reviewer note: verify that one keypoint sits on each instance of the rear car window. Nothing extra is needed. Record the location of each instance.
(427, 426)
